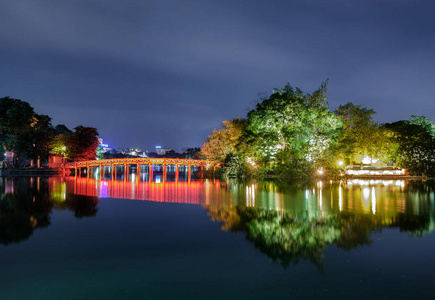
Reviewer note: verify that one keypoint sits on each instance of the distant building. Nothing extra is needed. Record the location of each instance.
(162, 151)
(132, 152)
(104, 147)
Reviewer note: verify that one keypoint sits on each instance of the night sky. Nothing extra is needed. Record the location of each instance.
(167, 73)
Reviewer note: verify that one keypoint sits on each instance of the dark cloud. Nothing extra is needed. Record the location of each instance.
(168, 72)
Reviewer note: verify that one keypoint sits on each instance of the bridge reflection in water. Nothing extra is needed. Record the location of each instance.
(288, 222)
(380, 198)
(189, 192)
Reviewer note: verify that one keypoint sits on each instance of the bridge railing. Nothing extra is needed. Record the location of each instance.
(113, 164)
(145, 160)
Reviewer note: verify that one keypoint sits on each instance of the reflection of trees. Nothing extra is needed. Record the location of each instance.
(419, 217)
(26, 204)
(24, 210)
(414, 225)
(356, 230)
(82, 206)
(283, 237)
(289, 237)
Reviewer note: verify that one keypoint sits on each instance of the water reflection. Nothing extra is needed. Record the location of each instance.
(288, 222)
(27, 202)
(294, 222)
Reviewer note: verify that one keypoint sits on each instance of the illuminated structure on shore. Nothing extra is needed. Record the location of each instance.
(98, 168)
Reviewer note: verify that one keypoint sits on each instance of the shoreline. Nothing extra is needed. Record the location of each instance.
(59, 172)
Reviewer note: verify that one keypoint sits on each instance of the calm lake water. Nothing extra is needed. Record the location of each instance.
(78, 238)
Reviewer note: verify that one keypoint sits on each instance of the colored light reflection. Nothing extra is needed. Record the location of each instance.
(173, 192)
(380, 198)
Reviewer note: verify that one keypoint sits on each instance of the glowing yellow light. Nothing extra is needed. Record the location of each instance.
(373, 200)
(366, 194)
(340, 163)
(366, 160)
(320, 171)
(340, 198)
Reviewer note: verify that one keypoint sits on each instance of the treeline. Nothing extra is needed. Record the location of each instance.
(25, 135)
(294, 134)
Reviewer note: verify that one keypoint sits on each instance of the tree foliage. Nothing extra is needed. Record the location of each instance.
(293, 134)
(17, 118)
(36, 141)
(191, 153)
(79, 145)
(361, 136)
(293, 122)
(222, 142)
(416, 145)
(31, 136)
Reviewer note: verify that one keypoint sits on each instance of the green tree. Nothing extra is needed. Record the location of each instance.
(22, 131)
(425, 123)
(36, 141)
(61, 145)
(416, 150)
(16, 118)
(291, 130)
(81, 144)
(361, 136)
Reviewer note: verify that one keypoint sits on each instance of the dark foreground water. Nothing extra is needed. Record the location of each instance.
(79, 238)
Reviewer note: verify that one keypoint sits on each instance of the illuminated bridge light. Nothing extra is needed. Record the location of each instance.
(167, 165)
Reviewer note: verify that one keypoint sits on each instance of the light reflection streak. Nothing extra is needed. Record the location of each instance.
(250, 196)
(320, 185)
(366, 196)
(375, 198)
(373, 201)
(340, 198)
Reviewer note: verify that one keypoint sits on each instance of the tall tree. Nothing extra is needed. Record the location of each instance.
(223, 142)
(425, 123)
(22, 131)
(416, 150)
(361, 136)
(83, 142)
(16, 117)
(228, 147)
(292, 126)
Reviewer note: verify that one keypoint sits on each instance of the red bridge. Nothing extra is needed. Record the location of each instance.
(98, 168)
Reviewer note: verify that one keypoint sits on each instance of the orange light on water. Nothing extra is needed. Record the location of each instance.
(171, 192)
